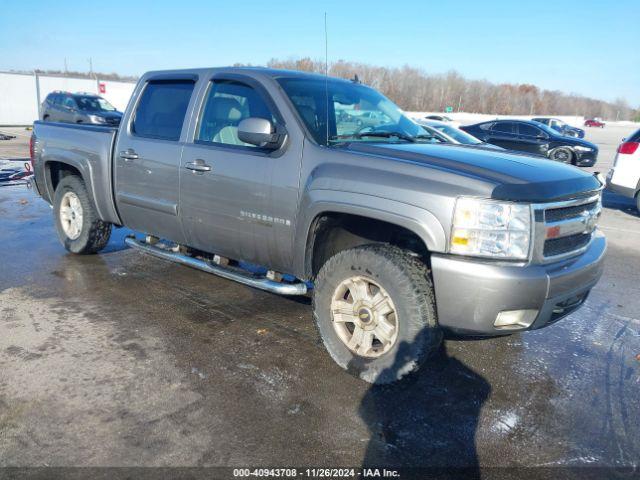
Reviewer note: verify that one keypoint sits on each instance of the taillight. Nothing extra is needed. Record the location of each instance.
(32, 153)
(628, 148)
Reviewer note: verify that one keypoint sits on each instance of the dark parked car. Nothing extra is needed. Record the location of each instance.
(535, 138)
(592, 122)
(79, 108)
(560, 126)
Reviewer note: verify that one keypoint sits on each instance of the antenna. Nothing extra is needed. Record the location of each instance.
(326, 75)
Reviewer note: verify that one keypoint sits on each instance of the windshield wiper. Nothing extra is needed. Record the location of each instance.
(399, 135)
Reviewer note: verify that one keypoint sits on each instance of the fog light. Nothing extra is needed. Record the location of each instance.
(515, 319)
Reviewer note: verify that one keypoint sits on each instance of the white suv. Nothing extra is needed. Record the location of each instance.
(624, 177)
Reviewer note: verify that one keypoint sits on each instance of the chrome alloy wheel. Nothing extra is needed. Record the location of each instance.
(71, 215)
(364, 317)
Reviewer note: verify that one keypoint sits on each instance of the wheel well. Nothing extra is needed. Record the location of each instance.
(56, 171)
(331, 233)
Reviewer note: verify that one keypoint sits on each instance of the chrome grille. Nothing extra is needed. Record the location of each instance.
(563, 229)
(564, 213)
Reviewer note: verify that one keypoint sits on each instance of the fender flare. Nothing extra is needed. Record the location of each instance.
(318, 202)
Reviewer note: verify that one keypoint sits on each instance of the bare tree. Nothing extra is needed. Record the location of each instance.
(414, 89)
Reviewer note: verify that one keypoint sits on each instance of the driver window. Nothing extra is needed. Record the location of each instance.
(69, 102)
(227, 104)
(528, 130)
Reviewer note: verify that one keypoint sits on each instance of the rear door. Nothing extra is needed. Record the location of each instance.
(241, 201)
(532, 139)
(504, 135)
(147, 158)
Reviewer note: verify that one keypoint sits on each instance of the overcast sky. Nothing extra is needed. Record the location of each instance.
(584, 47)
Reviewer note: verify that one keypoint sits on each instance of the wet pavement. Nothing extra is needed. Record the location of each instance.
(120, 359)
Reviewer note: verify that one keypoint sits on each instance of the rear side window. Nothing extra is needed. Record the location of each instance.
(485, 126)
(161, 109)
(504, 127)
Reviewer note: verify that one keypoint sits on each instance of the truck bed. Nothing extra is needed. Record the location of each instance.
(89, 148)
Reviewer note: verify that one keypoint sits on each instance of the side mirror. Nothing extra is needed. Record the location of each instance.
(260, 132)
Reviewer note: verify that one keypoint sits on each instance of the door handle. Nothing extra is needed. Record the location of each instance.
(128, 155)
(197, 166)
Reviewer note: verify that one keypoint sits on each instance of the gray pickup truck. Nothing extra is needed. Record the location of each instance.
(397, 236)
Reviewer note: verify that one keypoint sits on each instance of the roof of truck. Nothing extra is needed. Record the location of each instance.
(271, 72)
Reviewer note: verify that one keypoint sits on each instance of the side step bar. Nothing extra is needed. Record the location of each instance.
(299, 288)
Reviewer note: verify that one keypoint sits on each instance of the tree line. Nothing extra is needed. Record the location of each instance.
(415, 90)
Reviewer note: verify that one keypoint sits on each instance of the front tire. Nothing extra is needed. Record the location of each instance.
(562, 154)
(78, 225)
(374, 307)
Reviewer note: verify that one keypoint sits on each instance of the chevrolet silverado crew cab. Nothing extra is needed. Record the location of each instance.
(396, 236)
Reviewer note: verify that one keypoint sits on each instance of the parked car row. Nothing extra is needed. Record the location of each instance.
(546, 136)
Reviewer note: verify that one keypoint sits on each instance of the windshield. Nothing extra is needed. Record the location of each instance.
(93, 104)
(458, 135)
(356, 113)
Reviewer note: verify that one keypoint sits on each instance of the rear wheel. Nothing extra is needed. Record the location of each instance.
(561, 154)
(374, 307)
(78, 225)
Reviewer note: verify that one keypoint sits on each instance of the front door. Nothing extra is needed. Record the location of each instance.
(532, 139)
(228, 201)
(147, 160)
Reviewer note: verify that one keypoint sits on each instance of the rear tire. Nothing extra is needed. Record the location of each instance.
(78, 225)
(374, 307)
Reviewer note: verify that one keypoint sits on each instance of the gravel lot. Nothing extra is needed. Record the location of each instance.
(123, 360)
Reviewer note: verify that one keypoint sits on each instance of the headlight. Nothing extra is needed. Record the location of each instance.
(487, 228)
(582, 149)
(97, 119)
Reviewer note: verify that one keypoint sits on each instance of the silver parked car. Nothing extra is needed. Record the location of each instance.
(79, 108)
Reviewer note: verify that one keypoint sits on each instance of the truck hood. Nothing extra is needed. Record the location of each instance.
(516, 177)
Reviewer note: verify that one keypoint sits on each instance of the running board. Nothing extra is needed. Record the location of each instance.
(299, 288)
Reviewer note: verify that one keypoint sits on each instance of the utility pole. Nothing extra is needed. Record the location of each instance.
(65, 66)
(90, 67)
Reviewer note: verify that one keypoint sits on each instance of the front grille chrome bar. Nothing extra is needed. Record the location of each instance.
(569, 230)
